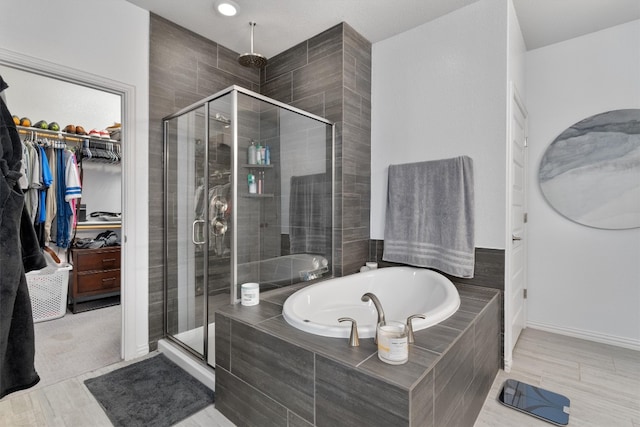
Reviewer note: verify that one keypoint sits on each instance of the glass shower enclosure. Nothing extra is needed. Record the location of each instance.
(248, 197)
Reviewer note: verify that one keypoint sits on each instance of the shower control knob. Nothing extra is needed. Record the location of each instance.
(219, 227)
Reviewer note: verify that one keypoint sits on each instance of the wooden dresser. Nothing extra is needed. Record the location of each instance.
(95, 281)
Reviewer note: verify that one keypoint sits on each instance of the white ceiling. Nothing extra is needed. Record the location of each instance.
(282, 24)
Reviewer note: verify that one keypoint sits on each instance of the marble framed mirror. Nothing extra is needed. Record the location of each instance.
(590, 173)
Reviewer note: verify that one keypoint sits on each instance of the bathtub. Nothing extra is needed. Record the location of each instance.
(402, 291)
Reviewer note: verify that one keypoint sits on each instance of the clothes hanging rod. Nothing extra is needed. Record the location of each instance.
(46, 133)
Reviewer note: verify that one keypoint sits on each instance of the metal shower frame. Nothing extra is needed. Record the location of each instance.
(233, 90)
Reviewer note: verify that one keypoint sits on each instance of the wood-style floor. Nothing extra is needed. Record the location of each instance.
(602, 381)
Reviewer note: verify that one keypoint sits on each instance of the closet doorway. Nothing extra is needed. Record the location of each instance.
(90, 334)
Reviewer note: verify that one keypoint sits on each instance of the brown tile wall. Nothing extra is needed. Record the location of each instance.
(183, 69)
(488, 269)
(328, 75)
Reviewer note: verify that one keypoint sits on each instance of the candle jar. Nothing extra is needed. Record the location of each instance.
(393, 346)
(250, 294)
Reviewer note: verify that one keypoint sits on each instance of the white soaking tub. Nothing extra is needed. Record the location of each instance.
(402, 292)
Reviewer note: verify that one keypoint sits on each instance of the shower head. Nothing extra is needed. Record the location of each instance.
(254, 60)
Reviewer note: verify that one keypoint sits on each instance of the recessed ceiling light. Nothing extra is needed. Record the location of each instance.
(227, 8)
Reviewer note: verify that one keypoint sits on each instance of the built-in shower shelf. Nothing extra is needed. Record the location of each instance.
(249, 166)
(259, 196)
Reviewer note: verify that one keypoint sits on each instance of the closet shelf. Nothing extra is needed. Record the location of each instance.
(71, 137)
(98, 225)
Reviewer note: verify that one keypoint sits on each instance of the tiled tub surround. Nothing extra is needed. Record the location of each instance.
(271, 374)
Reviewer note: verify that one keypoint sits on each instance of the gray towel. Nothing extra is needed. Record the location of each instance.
(430, 215)
(310, 214)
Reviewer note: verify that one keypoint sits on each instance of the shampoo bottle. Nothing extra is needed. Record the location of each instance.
(251, 180)
(260, 182)
(258, 154)
(251, 154)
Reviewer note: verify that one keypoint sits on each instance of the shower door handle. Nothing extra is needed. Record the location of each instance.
(193, 232)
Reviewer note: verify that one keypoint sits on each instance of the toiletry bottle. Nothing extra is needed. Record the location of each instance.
(260, 182)
(258, 154)
(251, 155)
(267, 155)
(251, 179)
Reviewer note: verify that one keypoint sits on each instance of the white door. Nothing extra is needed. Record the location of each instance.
(515, 253)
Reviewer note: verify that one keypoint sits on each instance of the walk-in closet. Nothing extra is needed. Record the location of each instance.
(73, 186)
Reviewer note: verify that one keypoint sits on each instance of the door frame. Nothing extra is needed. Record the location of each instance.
(515, 101)
(134, 247)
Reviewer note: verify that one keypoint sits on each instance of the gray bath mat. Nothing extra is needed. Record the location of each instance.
(155, 392)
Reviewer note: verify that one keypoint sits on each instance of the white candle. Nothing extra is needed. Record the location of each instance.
(393, 347)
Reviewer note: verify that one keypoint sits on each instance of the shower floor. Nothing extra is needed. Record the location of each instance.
(194, 338)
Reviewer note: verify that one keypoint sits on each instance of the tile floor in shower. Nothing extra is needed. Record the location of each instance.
(194, 337)
(602, 381)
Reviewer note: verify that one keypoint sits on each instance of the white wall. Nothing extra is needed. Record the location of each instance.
(52, 100)
(582, 281)
(439, 91)
(106, 41)
(516, 55)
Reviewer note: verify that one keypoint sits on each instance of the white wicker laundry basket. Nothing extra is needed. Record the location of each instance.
(48, 291)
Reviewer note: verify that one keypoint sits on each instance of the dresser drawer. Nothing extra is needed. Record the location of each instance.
(107, 259)
(102, 281)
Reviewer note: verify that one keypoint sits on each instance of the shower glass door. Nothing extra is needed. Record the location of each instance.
(186, 228)
(198, 156)
(221, 229)
(220, 222)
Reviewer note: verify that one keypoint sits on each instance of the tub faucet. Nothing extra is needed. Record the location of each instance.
(369, 296)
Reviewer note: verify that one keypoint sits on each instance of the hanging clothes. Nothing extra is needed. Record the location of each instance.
(19, 253)
(35, 181)
(64, 210)
(53, 190)
(73, 187)
(47, 179)
(24, 168)
(68, 189)
(54, 187)
(51, 207)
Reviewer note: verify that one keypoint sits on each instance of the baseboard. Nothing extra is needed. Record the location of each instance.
(185, 361)
(142, 350)
(587, 335)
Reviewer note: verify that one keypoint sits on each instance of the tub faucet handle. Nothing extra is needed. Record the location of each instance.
(354, 341)
(410, 337)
